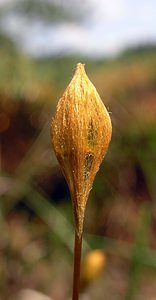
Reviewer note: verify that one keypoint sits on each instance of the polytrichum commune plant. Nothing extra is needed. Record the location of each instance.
(81, 131)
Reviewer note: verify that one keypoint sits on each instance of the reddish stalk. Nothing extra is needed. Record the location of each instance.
(77, 265)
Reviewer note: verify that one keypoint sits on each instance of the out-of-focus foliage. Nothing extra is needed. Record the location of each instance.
(45, 11)
(36, 219)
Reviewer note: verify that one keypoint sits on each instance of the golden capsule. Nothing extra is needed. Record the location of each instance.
(81, 131)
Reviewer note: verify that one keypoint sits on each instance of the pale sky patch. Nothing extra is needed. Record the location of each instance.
(108, 28)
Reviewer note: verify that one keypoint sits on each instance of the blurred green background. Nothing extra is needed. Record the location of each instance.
(36, 221)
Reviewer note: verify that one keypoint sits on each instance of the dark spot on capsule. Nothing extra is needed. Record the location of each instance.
(88, 164)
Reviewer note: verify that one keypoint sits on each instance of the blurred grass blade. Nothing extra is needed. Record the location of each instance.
(142, 240)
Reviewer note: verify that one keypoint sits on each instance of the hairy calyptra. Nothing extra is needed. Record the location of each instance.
(81, 131)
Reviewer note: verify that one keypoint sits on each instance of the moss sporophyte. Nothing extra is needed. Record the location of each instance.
(81, 131)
